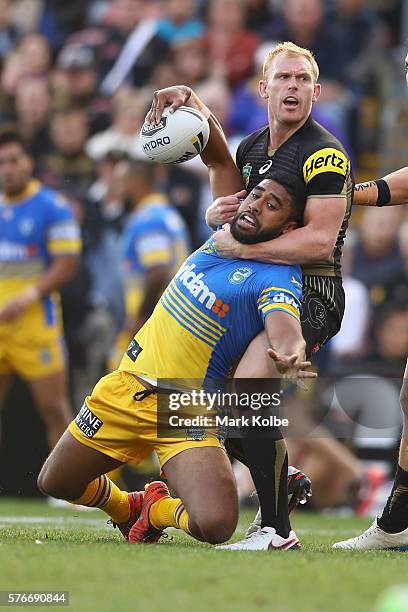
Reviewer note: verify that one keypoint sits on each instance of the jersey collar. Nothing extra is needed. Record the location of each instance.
(32, 188)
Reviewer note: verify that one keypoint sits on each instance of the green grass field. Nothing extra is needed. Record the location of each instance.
(43, 548)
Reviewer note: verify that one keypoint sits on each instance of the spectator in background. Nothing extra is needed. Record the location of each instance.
(92, 323)
(75, 81)
(67, 164)
(8, 31)
(377, 260)
(30, 58)
(54, 19)
(180, 21)
(132, 46)
(191, 61)
(128, 111)
(35, 55)
(391, 340)
(248, 112)
(33, 105)
(363, 37)
(351, 340)
(229, 47)
(258, 13)
(106, 193)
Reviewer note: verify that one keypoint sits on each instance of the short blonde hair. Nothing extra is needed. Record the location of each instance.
(291, 49)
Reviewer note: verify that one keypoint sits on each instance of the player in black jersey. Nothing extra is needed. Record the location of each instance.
(295, 143)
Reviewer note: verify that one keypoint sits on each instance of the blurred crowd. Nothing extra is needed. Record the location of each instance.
(77, 77)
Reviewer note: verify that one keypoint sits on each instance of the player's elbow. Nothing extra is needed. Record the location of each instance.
(67, 269)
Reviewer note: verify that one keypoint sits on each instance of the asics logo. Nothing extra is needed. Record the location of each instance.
(265, 167)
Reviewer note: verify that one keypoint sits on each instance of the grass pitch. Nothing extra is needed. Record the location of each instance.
(48, 549)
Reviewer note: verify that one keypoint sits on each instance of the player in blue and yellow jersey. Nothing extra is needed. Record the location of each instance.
(155, 243)
(202, 324)
(39, 247)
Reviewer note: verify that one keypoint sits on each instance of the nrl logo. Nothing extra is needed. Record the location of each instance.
(150, 129)
(246, 173)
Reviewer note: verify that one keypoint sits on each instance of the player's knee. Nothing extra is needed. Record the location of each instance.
(217, 526)
(50, 483)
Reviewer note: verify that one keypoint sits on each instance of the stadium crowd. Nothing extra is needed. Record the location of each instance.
(77, 78)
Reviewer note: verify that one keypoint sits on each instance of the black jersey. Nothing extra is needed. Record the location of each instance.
(318, 158)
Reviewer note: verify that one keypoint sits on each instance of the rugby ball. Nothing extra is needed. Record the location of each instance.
(178, 137)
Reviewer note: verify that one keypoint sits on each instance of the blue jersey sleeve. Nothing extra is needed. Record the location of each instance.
(63, 235)
(147, 245)
(280, 290)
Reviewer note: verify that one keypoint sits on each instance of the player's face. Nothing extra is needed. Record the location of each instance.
(289, 88)
(264, 214)
(15, 169)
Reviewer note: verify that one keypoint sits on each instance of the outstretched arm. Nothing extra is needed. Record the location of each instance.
(287, 345)
(225, 177)
(391, 190)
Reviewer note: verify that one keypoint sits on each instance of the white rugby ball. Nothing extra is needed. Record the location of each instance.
(178, 137)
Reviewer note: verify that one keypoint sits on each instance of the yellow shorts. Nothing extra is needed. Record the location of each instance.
(114, 423)
(31, 346)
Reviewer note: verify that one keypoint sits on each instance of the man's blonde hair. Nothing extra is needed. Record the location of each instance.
(291, 49)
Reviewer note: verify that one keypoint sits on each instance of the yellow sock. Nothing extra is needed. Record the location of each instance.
(169, 512)
(104, 494)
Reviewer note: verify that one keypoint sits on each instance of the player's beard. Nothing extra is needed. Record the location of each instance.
(258, 236)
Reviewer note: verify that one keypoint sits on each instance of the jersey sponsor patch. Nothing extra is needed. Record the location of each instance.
(88, 422)
(246, 173)
(325, 160)
(133, 350)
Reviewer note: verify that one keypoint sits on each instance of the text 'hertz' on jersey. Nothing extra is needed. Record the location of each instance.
(321, 162)
(208, 315)
(33, 230)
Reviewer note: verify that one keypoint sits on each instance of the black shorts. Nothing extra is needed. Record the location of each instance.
(322, 310)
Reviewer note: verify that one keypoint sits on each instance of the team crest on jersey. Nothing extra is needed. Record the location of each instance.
(246, 173)
(295, 282)
(239, 275)
(26, 226)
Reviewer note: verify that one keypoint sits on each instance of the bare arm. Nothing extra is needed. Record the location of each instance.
(287, 345)
(366, 194)
(314, 241)
(225, 177)
(58, 274)
(156, 280)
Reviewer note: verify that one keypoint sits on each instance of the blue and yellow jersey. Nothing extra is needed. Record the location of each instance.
(34, 228)
(155, 235)
(208, 315)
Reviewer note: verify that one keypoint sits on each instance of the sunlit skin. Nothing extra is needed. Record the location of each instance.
(264, 214)
(15, 169)
(290, 89)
